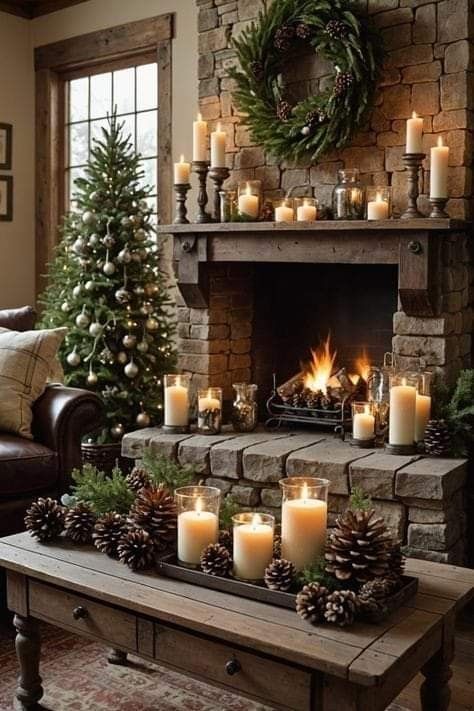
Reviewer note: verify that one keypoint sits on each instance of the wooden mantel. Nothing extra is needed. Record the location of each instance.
(413, 245)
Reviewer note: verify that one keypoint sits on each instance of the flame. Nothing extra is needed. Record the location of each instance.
(362, 365)
(198, 506)
(256, 520)
(367, 409)
(440, 142)
(304, 491)
(178, 381)
(249, 189)
(199, 117)
(320, 368)
(219, 128)
(182, 158)
(414, 115)
(378, 197)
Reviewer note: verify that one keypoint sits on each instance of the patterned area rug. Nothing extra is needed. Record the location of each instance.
(77, 677)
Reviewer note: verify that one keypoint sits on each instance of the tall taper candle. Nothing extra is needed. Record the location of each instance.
(218, 139)
(200, 139)
(439, 170)
(414, 134)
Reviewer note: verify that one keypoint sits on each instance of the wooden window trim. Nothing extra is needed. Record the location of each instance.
(55, 64)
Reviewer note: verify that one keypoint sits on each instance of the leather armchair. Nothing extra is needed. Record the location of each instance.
(42, 466)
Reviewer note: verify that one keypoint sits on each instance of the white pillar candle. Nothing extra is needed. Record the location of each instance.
(439, 170)
(176, 405)
(218, 139)
(182, 172)
(363, 426)
(402, 414)
(414, 134)
(248, 203)
(377, 209)
(253, 549)
(306, 212)
(208, 403)
(423, 414)
(303, 529)
(284, 214)
(196, 530)
(200, 139)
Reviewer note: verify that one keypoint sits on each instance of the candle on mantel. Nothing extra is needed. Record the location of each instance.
(363, 425)
(218, 140)
(423, 414)
(439, 170)
(414, 134)
(199, 139)
(248, 203)
(303, 529)
(182, 172)
(253, 548)
(402, 414)
(196, 530)
(306, 212)
(208, 402)
(377, 209)
(176, 404)
(284, 213)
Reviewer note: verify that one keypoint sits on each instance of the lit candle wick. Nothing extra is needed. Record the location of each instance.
(198, 507)
(304, 492)
(256, 520)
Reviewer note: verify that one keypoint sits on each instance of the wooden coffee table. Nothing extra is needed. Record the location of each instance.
(251, 648)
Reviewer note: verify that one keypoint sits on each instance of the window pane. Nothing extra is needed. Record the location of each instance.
(96, 130)
(79, 99)
(74, 173)
(147, 127)
(101, 95)
(128, 128)
(149, 179)
(147, 87)
(78, 143)
(124, 91)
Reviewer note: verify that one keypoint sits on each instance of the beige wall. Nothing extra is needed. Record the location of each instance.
(17, 107)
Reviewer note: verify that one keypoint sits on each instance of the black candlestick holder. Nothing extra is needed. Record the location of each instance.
(181, 191)
(437, 208)
(218, 177)
(413, 163)
(201, 168)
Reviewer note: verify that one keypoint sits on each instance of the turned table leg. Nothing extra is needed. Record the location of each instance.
(28, 647)
(435, 692)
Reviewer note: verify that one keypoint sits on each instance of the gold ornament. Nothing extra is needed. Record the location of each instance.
(151, 289)
(143, 419)
(117, 431)
(92, 378)
(129, 341)
(122, 357)
(151, 324)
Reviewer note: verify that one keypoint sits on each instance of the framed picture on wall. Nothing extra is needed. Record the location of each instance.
(6, 198)
(6, 130)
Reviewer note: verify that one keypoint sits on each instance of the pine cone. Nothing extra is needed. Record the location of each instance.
(258, 70)
(108, 531)
(377, 589)
(280, 575)
(344, 81)
(45, 519)
(358, 548)
(303, 31)
(136, 549)
(311, 602)
(284, 36)
(216, 560)
(138, 479)
(311, 400)
(341, 607)
(79, 523)
(337, 29)
(225, 539)
(283, 110)
(154, 510)
(438, 442)
(396, 560)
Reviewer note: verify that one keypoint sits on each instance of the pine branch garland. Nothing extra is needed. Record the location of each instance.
(101, 492)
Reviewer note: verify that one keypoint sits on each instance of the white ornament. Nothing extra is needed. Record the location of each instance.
(95, 329)
(109, 268)
(124, 256)
(73, 358)
(131, 370)
(117, 430)
(82, 320)
(79, 246)
(94, 240)
(125, 222)
(122, 295)
(76, 292)
(65, 307)
(89, 285)
(305, 131)
(88, 218)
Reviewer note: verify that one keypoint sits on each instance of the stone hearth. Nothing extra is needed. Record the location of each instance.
(421, 499)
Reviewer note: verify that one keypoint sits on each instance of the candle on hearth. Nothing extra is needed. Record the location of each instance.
(253, 545)
(307, 211)
(176, 400)
(423, 414)
(402, 410)
(218, 139)
(303, 521)
(248, 203)
(208, 402)
(196, 530)
(439, 170)
(200, 139)
(182, 172)
(378, 209)
(209, 411)
(284, 213)
(363, 424)
(414, 134)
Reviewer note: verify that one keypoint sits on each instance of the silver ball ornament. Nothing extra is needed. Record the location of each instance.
(139, 290)
(122, 357)
(88, 218)
(73, 358)
(305, 131)
(95, 329)
(79, 246)
(109, 268)
(131, 370)
(82, 320)
(77, 291)
(94, 240)
(108, 241)
(65, 307)
(124, 256)
(89, 285)
(143, 419)
(122, 296)
(129, 341)
(142, 347)
(92, 378)
(125, 222)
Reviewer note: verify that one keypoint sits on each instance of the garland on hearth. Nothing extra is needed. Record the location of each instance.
(337, 33)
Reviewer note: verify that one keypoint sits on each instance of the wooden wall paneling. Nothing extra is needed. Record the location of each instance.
(164, 131)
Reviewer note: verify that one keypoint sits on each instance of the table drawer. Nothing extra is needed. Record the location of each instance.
(268, 680)
(81, 615)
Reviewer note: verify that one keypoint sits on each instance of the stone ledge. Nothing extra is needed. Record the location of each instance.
(432, 479)
(376, 474)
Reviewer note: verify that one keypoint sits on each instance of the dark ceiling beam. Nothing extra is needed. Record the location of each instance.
(22, 9)
(35, 8)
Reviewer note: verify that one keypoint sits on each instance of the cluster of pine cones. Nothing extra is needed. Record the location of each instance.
(135, 539)
(304, 397)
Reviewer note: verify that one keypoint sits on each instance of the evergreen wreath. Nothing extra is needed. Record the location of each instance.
(337, 33)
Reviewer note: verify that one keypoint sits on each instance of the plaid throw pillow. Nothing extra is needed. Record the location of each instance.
(25, 364)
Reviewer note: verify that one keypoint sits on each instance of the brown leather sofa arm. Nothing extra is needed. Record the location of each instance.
(61, 418)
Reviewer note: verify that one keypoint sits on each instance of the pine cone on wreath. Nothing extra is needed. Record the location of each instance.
(138, 479)
(258, 70)
(136, 549)
(155, 511)
(79, 523)
(342, 607)
(225, 539)
(283, 110)
(284, 36)
(216, 560)
(44, 519)
(311, 602)
(438, 441)
(344, 81)
(280, 575)
(336, 29)
(358, 548)
(108, 531)
(303, 31)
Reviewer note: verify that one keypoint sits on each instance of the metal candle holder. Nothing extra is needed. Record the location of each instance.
(181, 191)
(437, 208)
(363, 443)
(201, 167)
(413, 163)
(218, 177)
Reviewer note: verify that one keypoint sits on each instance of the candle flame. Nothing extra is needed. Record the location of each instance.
(367, 409)
(404, 381)
(306, 202)
(249, 189)
(440, 142)
(199, 118)
(256, 520)
(198, 506)
(182, 159)
(209, 393)
(219, 128)
(378, 197)
(414, 115)
(178, 381)
(304, 491)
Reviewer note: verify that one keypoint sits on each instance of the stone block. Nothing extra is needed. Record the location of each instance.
(245, 495)
(294, 178)
(424, 29)
(240, 330)
(400, 16)
(394, 158)
(266, 462)
(456, 91)
(431, 479)
(376, 474)
(404, 325)
(166, 445)
(376, 6)
(397, 37)
(271, 497)
(249, 9)
(395, 516)
(433, 536)
(407, 56)
(213, 40)
(397, 101)
(270, 177)
(367, 161)
(226, 458)
(458, 57)
(453, 20)
(426, 98)
(195, 451)
(222, 484)
(436, 351)
(455, 556)
(421, 73)
(250, 158)
(452, 120)
(135, 443)
(207, 19)
(206, 65)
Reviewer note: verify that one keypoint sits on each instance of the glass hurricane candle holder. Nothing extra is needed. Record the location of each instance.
(306, 209)
(363, 424)
(249, 200)
(198, 521)
(284, 210)
(176, 391)
(228, 205)
(403, 390)
(252, 545)
(423, 405)
(349, 196)
(209, 411)
(244, 407)
(379, 202)
(303, 519)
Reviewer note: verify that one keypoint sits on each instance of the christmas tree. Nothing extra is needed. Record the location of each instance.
(105, 285)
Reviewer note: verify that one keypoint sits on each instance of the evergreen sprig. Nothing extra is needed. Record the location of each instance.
(101, 492)
(316, 573)
(359, 500)
(460, 414)
(229, 508)
(166, 472)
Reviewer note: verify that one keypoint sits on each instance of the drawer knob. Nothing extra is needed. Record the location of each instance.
(233, 667)
(79, 613)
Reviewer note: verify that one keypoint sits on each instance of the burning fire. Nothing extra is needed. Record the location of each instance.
(319, 370)
(363, 366)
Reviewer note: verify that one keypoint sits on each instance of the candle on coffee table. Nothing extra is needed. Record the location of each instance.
(198, 521)
(303, 520)
(253, 545)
